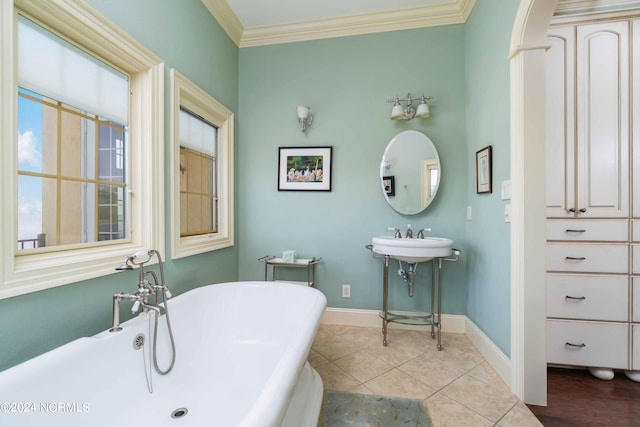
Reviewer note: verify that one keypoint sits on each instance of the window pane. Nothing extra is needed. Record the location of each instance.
(30, 200)
(198, 209)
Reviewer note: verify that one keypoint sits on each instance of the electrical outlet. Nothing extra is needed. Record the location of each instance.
(346, 291)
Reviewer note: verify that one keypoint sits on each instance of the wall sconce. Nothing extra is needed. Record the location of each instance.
(406, 111)
(304, 117)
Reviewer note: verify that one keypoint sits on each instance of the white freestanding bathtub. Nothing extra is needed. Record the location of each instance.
(241, 351)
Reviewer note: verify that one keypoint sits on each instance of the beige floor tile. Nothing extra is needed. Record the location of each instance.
(363, 337)
(334, 378)
(353, 359)
(485, 373)
(334, 347)
(459, 359)
(316, 359)
(362, 389)
(396, 353)
(519, 416)
(432, 372)
(396, 383)
(363, 366)
(491, 400)
(446, 412)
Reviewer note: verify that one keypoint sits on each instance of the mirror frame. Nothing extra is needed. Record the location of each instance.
(389, 179)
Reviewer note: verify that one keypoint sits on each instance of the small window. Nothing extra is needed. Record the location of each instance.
(202, 172)
(198, 175)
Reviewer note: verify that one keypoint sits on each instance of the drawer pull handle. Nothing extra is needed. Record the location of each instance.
(575, 345)
(570, 297)
(574, 231)
(571, 210)
(575, 258)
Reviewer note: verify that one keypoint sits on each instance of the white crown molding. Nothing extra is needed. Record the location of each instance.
(226, 18)
(569, 6)
(454, 12)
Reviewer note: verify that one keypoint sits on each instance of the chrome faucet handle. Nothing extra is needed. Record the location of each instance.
(421, 232)
(135, 307)
(397, 235)
(409, 234)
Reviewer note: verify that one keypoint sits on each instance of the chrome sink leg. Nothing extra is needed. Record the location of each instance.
(439, 303)
(385, 299)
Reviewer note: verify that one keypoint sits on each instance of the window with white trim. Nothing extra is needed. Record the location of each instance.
(202, 170)
(84, 169)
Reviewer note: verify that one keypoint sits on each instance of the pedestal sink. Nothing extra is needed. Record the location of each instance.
(412, 250)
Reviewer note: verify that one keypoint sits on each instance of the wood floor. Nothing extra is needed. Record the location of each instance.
(575, 398)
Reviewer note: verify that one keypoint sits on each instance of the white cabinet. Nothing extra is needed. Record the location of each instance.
(587, 82)
(595, 297)
(604, 344)
(592, 304)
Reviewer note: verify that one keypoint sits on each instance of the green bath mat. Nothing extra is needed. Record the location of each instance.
(349, 409)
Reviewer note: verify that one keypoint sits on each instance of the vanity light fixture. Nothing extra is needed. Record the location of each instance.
(406, 111)
(304, 117)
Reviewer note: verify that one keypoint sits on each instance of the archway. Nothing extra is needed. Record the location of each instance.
(527, 99)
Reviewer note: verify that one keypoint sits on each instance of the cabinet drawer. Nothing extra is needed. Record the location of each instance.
(611, 230)
(635, 336)
(571, 342)
(635, 230)
(635, 306)
(588, 257)
(588, 297)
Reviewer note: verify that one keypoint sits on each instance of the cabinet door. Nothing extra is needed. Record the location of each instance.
(602, 119)
(636, 119)
(560, 154)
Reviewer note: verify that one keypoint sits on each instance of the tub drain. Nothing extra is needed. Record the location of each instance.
(138, 341)
(179, 413)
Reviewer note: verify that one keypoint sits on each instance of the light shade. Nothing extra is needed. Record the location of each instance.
(303, 111)
(397, 112)
(422, 112)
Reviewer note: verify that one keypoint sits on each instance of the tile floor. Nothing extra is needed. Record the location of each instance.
(457, 386)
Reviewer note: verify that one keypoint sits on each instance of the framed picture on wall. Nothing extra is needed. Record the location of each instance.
(389, 186)
(304, 168)
(483, 170)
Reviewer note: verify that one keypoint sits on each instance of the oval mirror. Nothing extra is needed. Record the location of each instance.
(410, 172)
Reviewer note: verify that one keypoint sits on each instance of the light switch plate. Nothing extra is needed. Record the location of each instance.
(506, 190)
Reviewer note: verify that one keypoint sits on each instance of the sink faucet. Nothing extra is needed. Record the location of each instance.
(397, 235)
(421, 232)
(409, 234)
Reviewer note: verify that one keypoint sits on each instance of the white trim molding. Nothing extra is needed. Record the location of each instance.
(451, 323)
(456, 12)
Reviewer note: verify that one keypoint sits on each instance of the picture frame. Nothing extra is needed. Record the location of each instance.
(304, 168)
(389, 185)
(483, 170)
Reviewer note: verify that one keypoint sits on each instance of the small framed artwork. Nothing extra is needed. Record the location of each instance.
(304, 168)
(483, 170)
(389, 186)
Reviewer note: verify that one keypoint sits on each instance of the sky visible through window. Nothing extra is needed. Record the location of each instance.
(29, 159)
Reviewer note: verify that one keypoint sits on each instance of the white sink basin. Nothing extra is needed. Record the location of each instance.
(412, 250)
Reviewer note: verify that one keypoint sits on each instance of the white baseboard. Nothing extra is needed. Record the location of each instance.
(371, 319)
(491, 353)
(453, 323)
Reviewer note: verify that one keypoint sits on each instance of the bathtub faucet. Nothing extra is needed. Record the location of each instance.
(140, 298)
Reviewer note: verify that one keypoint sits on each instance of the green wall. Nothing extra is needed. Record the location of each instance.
(346, 82)
(186, 37)
(487, 37)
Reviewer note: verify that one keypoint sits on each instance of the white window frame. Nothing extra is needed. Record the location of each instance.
(187, 94)
(78, 23)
